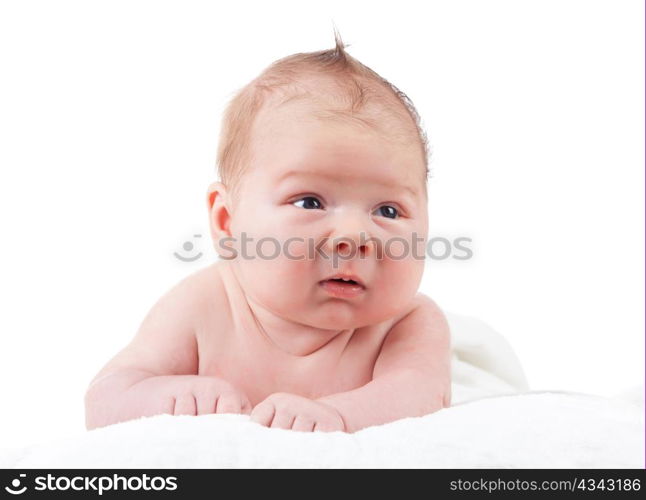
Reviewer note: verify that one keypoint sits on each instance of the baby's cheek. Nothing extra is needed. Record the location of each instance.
(404, 274)
(295, 248)
(396, 249)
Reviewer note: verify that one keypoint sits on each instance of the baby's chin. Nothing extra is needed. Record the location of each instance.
(311, 306)
(340, 316)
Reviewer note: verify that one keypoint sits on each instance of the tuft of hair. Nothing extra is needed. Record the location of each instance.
(351, 92)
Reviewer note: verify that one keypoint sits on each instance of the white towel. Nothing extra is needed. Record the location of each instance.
(531, 430)
(484, 364)
(493, 422)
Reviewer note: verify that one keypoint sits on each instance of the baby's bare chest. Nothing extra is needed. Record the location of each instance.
(260, 371)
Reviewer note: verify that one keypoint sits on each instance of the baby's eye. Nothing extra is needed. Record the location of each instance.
(388, 211)
(308, 202)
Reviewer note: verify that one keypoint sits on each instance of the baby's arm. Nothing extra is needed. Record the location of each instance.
(157, 372)
(411, 377)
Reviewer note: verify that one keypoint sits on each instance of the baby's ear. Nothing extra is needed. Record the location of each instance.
(219, 216)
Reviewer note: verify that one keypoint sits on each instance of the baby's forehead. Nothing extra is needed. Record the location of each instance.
(288, 132)
(352, 178)
(324, 104)
(319, 128)
(334, 155)
(278, 120)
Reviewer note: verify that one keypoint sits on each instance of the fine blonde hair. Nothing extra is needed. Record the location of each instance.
(364, 98)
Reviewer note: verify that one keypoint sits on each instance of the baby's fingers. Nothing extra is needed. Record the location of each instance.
(206, 404)
(229, 403)
(185, 405)
(282, 420)
(263, 413)
(246, 406)
(303, 424)
(327, 426)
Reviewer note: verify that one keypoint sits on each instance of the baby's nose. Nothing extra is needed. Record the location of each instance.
(347, 246)
(350, 238)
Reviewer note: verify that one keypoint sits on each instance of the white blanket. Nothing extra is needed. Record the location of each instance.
(494, 422)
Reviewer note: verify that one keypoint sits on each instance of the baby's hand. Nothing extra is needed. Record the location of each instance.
(206, 395)
(288, 411)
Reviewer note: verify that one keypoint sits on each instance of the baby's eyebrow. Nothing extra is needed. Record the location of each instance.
(390, 184)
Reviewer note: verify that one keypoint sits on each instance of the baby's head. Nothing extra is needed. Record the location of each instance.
(323, 168)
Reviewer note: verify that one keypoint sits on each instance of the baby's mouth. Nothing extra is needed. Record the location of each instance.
(345, 287)
(341, 280)
(345, 278)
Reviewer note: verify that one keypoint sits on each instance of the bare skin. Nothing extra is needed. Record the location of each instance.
(265, 337)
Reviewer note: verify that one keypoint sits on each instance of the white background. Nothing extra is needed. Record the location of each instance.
(109, 115)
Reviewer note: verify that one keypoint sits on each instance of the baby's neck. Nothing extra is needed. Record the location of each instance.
(290, 337)
(295, 338)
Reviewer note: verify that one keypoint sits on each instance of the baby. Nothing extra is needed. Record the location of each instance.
(311, 319)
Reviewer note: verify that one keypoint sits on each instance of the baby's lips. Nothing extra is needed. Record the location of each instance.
(342, 289)
(346, 277)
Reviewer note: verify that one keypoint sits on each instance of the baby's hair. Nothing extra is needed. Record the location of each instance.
(354, 86)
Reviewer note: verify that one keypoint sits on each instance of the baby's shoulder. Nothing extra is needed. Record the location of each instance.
(204, 288)
(423, 301)
(420, 300)
(419, 304)
(209, 294)
(421, 308)
(194, 297)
